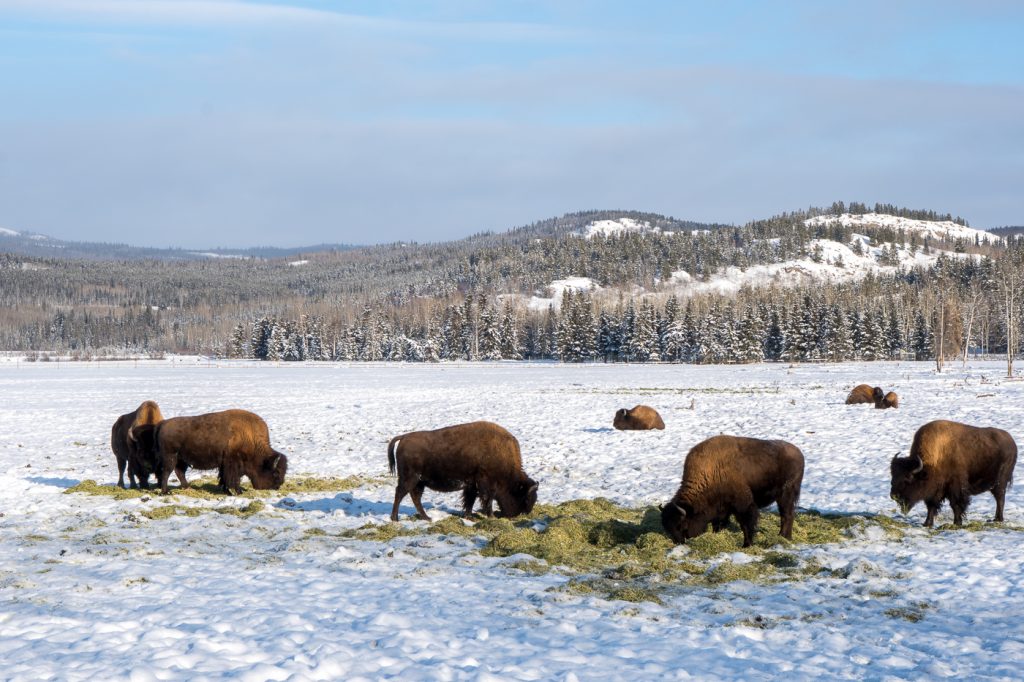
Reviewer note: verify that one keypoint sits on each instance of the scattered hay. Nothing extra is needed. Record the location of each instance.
(208, 489)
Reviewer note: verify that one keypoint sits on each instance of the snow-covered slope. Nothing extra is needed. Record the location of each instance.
(8, 233)
(606, 228)
(555, 289)
(943, 229)
(90, 587)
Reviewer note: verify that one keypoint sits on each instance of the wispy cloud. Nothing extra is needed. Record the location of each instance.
(241, 13)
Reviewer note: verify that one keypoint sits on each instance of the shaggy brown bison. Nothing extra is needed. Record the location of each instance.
(235, 442)
(479, 458)
(889, 400)
(731, 475)
(125, 448)
(953, 461)
(640, 418)
(865, 394)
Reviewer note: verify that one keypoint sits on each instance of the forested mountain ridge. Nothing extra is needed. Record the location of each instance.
(621, 285)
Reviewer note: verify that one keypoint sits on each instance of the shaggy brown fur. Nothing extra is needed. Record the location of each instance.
(953, 461)
(865, 394)
(734, 476)
(125, 448)
(234, 441)
(479, 458)
(890, 400)
(640, 418)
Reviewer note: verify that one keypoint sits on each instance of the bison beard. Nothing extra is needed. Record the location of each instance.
(728, 476)
(953, 461)
(480, 458)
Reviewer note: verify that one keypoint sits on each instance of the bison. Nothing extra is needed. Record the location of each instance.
(126, 449)
(865, 394)
(235, 442)
(889, 400)
(734, 476)
(480, 458)
(953, 461)
(640, 418)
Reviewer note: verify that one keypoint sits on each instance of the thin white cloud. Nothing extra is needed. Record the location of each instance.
(239, 13)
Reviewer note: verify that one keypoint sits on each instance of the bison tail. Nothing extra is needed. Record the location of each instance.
(392, 452)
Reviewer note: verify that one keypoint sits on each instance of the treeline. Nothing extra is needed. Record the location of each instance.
(469, 299)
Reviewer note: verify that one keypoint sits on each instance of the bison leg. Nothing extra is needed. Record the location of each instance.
(231, 475)
(416, 493)
(468, 499)
(748, 522)
(718, 525)
(400, 493)
(486, 503)
(169, 463)
(999, 492)
(121, 462)
(933, 509)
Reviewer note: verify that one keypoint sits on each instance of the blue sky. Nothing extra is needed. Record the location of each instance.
(202, 123)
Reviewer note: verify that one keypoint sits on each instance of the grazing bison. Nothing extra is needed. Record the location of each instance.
(865, 394)
(731, 475)
(126, 449)
(953, 461)
(479, 458)
(640, 418)
(235, 442)
(889, 400)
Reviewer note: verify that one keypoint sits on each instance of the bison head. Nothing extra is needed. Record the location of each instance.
(142, 438)
(909, 481)
(522, 497)
(680, 522)
(271, 472)
(877, 394)
(622, 419)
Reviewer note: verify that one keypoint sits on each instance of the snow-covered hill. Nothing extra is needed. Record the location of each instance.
(936, 229)
(607, 228)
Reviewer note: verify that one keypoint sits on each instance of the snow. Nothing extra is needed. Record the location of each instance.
(210, 254)
(555, 289)
(90, 588)
(297, 262)
(838, 263)
(936, 229)
(607, 228)
(8, 233)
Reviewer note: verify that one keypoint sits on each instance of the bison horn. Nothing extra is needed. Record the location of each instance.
(920, 465)
(681, 510)
(894, 457)
(131, 434)
(275, 461)
(533, 488)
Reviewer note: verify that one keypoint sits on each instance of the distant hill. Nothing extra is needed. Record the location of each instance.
(42, 246)
(1008, 231)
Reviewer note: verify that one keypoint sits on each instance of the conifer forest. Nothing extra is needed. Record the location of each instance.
(649, 295)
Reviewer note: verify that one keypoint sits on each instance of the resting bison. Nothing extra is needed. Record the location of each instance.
(731, 475)
(640, 418)
(125, 448)
(479, 458)
(889, 400)
(865, 394)
(234, 441)
(953, 461)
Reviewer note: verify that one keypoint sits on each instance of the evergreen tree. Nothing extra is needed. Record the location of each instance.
(775, 340)
(260, 343)
(490, 334)
(236, 344)
(750, 338)
(893, 335)
(509, 332)
(922, 338)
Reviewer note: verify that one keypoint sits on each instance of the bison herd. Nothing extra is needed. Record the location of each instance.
(723, 476)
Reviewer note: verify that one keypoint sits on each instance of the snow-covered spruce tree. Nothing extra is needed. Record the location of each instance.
(276, 343)
(643, 343)
(607, 336)
(490, 334)
(922, 338)
(893, 334)
(627, 331)
(511, 348)
(840, 343)
(749, 338)
(237, 343)
(774, 339)
(260, 339)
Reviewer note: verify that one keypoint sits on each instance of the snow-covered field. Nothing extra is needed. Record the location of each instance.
(91, 588)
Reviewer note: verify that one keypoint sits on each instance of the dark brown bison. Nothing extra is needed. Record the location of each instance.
(890, 399)
(865, 394)
(953, 461)
(733, 476)
(479, 458)
(125, 448)
(235, 442)
(640, 418)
